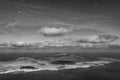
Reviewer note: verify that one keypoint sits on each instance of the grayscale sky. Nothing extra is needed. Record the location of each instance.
(21, 20)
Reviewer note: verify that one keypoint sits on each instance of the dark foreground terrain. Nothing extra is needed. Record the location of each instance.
(106, 72)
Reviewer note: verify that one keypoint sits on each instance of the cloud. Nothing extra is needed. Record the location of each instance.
(108, 38)
(54, 31)
(8, 27)
(105, 38)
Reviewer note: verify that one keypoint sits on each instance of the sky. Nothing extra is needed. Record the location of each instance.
(22, 20)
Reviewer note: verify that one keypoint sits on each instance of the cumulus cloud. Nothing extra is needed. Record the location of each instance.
(53, 31)
(105, 38)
